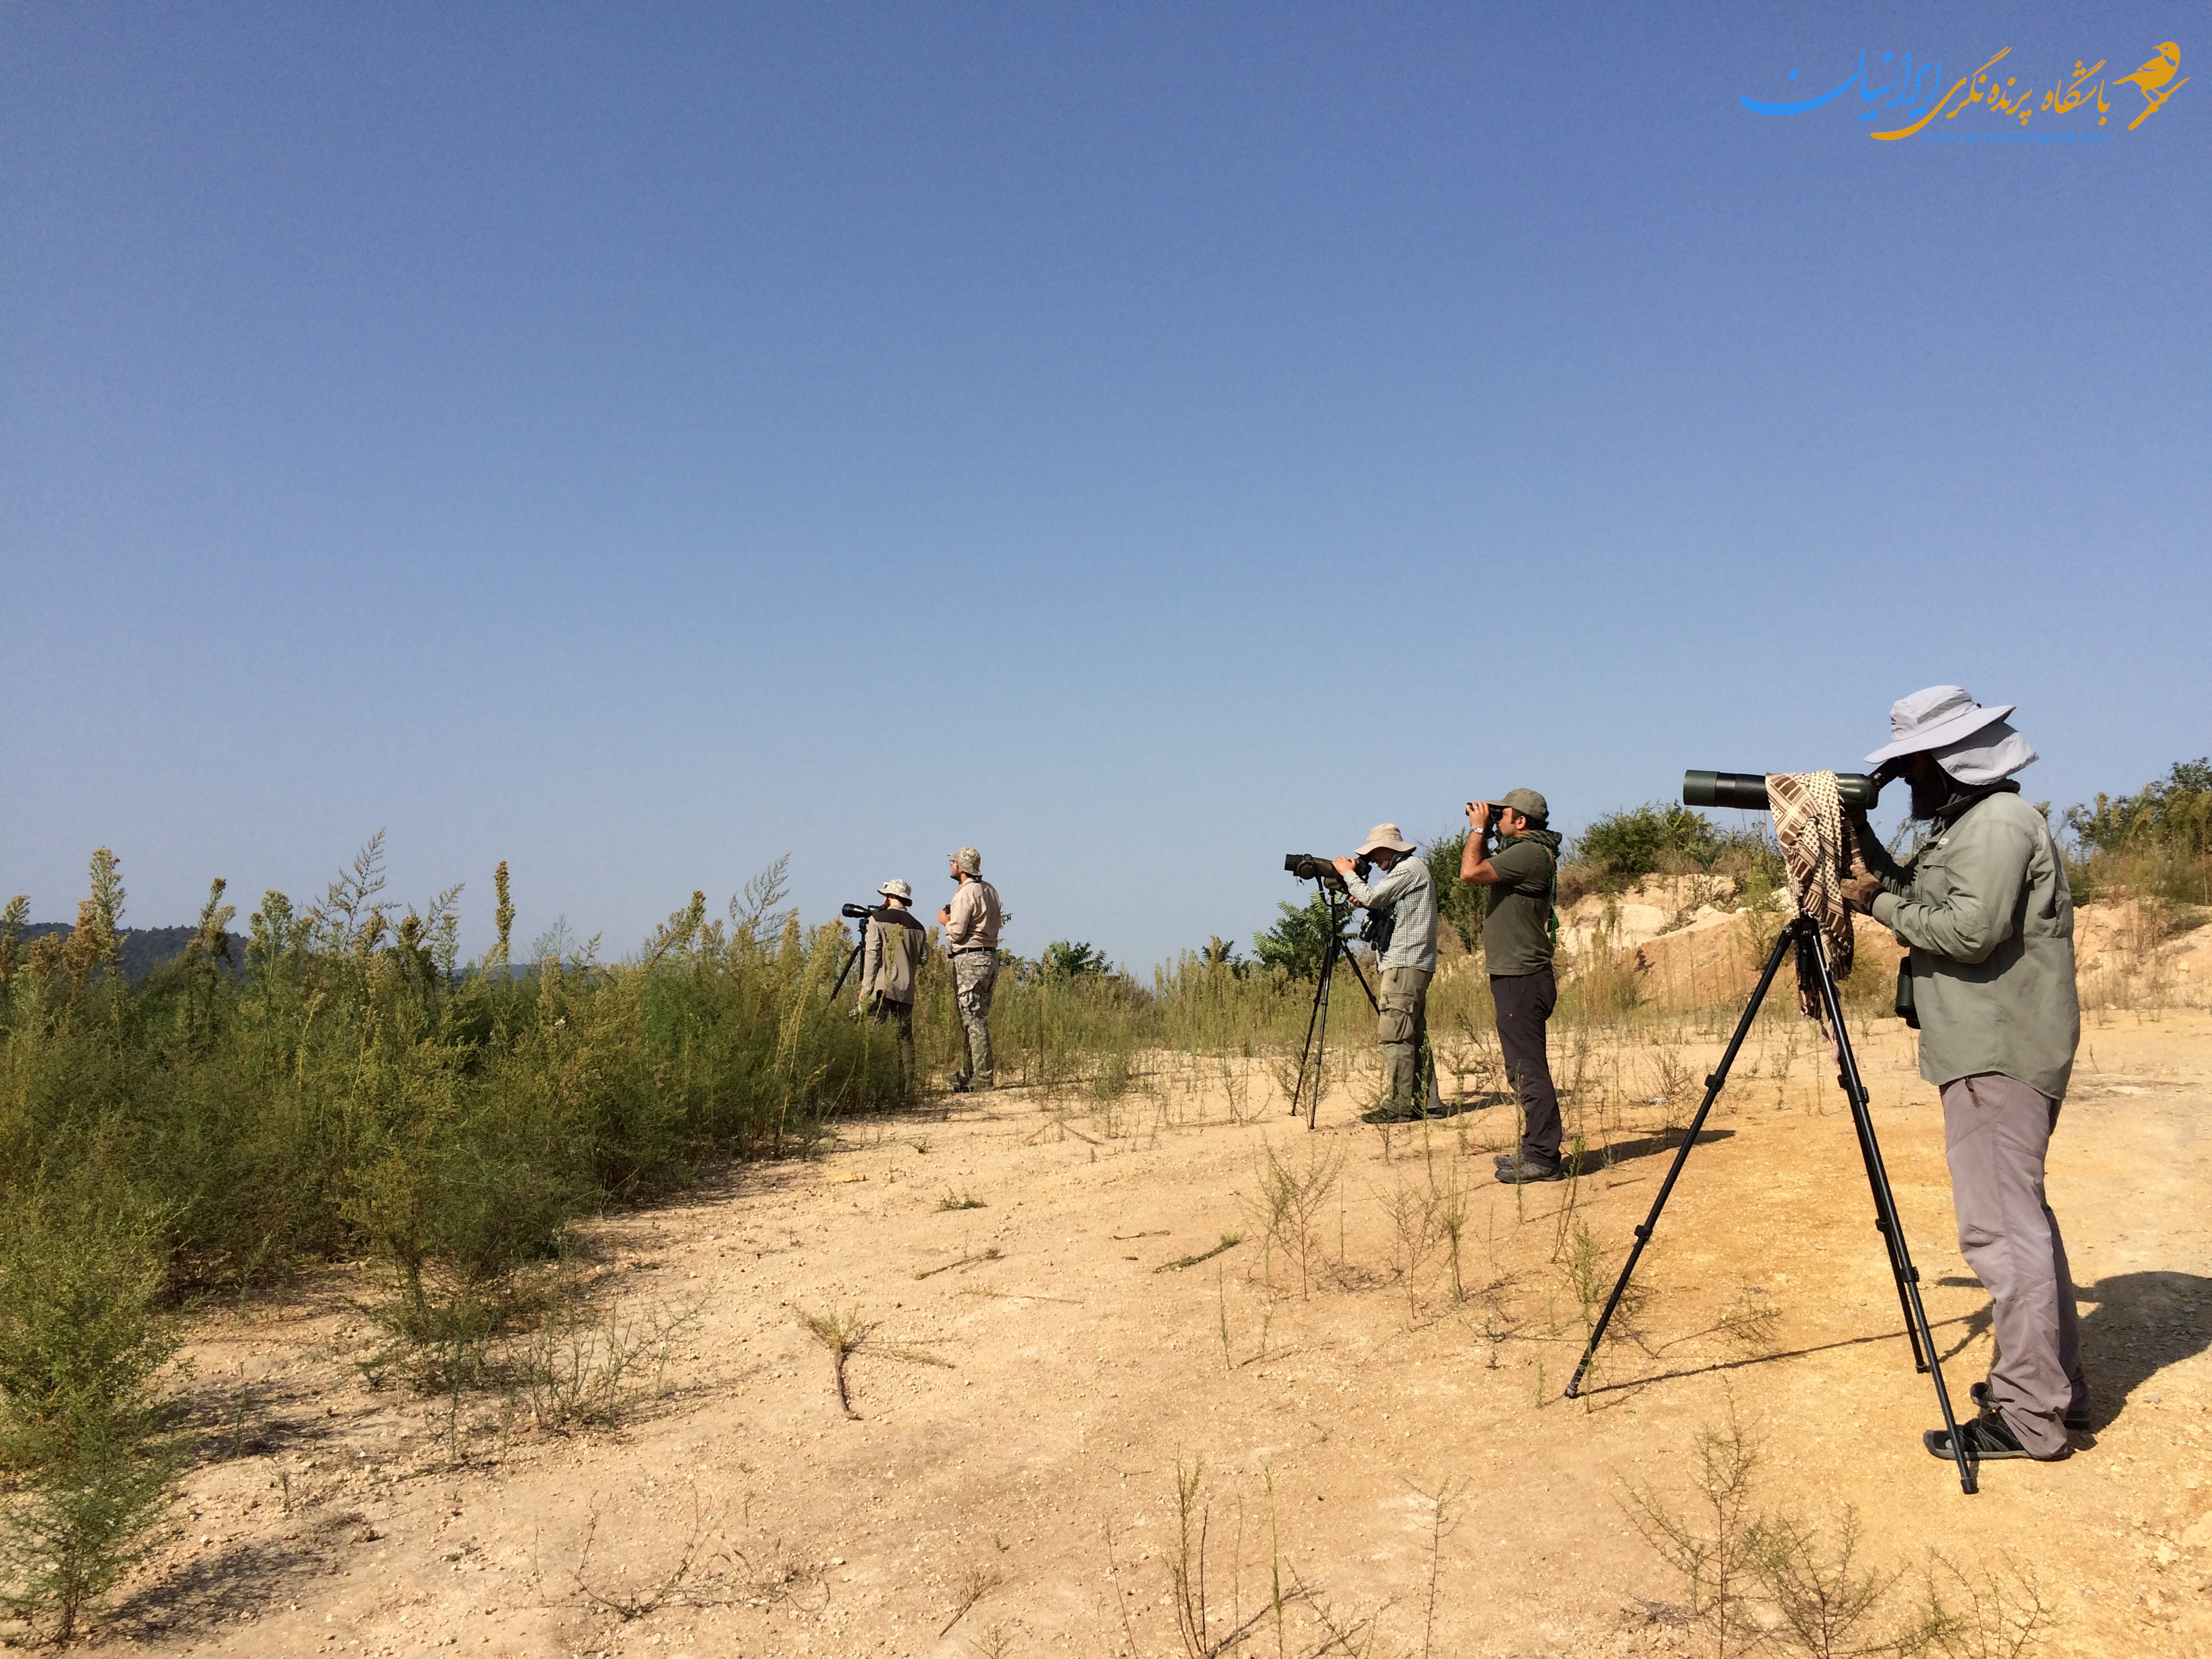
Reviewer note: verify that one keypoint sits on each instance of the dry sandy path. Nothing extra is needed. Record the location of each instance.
(1036, 1467)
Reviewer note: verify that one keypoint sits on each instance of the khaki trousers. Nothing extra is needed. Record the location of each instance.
(1401, 1023)
(1996, 1132)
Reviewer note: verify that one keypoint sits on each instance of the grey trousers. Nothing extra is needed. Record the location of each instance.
(1401, 1023)
(975, 975)
(1525, 1002)
(901, 1015)
(1996, 1132)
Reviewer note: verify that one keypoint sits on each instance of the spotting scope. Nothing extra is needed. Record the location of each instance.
(1749, 789)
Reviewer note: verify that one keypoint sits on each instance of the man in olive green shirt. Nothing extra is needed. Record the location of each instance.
(1521, 871)
(1987, 912)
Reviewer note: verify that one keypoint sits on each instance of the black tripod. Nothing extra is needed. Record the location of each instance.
(861, 913)
(1317, 1022)
(1803, 935)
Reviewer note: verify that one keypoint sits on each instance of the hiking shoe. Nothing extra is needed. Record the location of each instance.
(2077, 1417)
(1513, 1171)
(1392, 1112)
(1986, 1438)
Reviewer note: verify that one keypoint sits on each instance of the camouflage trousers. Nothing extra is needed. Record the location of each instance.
(975, 975)
(1401, 1027)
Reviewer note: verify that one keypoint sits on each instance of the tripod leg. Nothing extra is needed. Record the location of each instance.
(1713, 1085)
(1313, 1023)
(1321, 1031)
(1884, 1205)
(846, 968)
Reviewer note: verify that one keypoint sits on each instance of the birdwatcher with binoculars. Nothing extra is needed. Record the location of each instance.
(1510, 851)
(1401, 925)
(972, 938)
(1986, 909)
(892, 944)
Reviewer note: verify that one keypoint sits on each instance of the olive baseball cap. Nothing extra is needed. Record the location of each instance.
(1526, 802)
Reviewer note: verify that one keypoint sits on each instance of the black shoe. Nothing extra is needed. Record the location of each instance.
(1515, 1171)
(959, 1085)
(1986, 1438)
(1391, 1112)
(2077, 1417)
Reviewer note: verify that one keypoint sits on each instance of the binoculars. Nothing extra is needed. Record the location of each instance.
(1747, 790)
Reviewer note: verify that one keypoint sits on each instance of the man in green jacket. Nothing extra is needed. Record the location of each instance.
(1520, 868)
(1985, 907)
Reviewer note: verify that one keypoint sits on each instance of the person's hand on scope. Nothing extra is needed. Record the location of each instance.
(1859, 891)
(1345, 867)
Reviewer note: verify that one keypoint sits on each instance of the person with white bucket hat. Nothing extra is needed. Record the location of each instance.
(892, 945)
(1404, 901)
(1986, 912)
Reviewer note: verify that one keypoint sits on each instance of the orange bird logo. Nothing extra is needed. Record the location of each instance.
(2152, 81)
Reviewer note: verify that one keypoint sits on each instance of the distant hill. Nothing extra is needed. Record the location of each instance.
(145, 949)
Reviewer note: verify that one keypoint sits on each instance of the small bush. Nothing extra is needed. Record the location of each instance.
(82, 1428)
(1298, 941)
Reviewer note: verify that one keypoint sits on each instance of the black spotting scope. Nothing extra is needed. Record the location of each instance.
(1312, 866)
(862, 912)
(1749, 789)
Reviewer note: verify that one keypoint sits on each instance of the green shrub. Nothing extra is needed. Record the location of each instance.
(1298, 941)
(1460, 905)
(82, 1430)
(1065, 960)
(357, 1089)
(2156, 843)
(1645, 839)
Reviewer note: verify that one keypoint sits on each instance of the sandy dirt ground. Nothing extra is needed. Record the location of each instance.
(1037, 1370)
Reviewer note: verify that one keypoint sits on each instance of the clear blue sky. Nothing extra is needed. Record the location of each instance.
(636, 442)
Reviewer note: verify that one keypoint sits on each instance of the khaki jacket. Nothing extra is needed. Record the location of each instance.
(975, 917)
(891, 949)
(1990, 918)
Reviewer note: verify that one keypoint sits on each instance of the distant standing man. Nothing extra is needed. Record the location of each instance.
(1986, 910)
(1520, 867)
(892, 945)
(971, 936)
(1405, 900)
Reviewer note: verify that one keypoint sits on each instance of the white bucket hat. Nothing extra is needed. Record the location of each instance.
(1934, 718)
(896, 888)
(1975, 745)
(1386, 835)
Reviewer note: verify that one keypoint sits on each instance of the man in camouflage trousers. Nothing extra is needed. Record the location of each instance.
(971, 938)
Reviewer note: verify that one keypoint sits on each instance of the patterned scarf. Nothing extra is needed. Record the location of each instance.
(1817, 849)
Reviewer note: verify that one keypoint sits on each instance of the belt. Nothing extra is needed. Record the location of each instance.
(974, 949)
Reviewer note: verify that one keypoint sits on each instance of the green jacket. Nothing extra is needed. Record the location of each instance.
(1989, 916)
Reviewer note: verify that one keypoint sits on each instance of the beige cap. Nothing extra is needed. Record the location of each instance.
(969, 859)
(1385, 836)
(896, 888)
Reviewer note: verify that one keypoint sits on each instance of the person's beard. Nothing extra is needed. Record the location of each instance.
(1931, 794)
